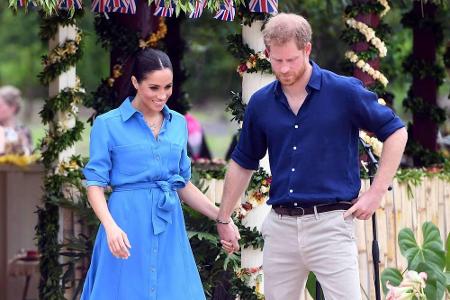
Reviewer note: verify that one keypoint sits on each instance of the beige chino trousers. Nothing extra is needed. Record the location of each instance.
(323, 243)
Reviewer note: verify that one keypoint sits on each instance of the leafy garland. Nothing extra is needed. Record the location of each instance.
(420, 107)
(60, 114)
(236, 107)
(249, 60)
(60, 59)
(447, 56)
(416, 105)
(49, 24)
(371, 47)
(424, 156)
(359, 32)
(378, 7)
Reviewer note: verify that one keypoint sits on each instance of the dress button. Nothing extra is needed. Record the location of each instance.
(296, 126)
(291, 191)
(295, 148)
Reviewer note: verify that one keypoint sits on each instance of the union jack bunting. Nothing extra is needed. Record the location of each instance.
(226, 11)
(263, 6)
(198, 8)
(118, 4)
(68, 4)
(128, 8)
(162, 10)
(100, 6)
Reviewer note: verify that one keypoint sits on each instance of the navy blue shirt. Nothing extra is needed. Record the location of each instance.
(313, 155)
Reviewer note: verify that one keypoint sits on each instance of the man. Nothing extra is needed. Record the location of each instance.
(308, 120)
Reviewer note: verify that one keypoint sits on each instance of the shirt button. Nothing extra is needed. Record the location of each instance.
(154, 250)
(157, 157)
(291, 191)
(152, 289)
(293, 169)
(295, 148)
(296, 126)
(153, 269)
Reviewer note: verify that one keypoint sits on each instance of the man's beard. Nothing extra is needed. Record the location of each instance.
(290, 78)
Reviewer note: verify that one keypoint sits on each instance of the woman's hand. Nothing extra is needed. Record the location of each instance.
(118, 242)
(231, 245)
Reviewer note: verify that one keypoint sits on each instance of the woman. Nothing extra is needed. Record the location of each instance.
(14, 138)
(141, 249)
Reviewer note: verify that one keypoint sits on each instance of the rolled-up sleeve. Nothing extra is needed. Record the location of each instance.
(185, 161)
(369, 115)
(252, 144)
(97, 170)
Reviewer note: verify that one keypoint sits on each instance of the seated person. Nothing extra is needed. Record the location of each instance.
(14, 138)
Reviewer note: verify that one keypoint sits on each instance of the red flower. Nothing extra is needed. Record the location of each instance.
(247, 206)
(242, 68)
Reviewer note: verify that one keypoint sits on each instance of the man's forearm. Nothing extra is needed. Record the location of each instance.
(236, 181)
(390, 159)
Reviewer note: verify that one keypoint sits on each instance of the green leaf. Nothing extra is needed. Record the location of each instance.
(436, 281)
(203, 236)
(311, 285)
(447, 275)
(431, 251)
(447, 249)
(393, 276)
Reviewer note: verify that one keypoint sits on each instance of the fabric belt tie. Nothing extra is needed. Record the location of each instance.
(165, 205)
(299, 211)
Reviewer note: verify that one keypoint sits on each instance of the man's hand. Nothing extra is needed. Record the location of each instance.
(364, 207)
(229, 236)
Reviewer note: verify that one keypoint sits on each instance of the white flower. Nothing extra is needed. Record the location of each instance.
(360, 63)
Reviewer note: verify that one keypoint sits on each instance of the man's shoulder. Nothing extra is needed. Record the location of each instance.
(264, 93)
(332, 79)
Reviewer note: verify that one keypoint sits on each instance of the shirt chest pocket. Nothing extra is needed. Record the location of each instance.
(131, 159)
(174, 157)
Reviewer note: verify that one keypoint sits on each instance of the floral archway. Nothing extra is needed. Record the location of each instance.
(62, 263)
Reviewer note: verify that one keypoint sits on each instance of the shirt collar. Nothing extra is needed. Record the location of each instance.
(127, 110)
(315, 81)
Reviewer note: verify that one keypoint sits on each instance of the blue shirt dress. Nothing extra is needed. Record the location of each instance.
(144, 173)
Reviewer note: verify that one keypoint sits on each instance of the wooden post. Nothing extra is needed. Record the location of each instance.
(67, 79)
(252, 36)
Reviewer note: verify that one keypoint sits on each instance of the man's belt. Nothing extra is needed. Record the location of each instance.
(310, 209)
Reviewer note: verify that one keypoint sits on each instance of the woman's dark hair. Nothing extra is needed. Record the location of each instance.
(150, 60)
